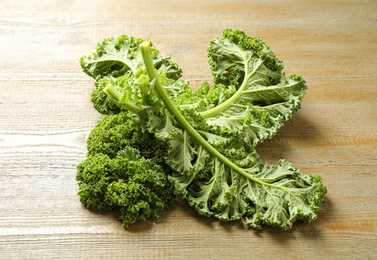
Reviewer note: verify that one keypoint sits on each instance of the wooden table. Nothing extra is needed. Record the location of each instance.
(46, 115)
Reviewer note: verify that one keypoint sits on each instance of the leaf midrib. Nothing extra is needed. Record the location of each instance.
(218, 109)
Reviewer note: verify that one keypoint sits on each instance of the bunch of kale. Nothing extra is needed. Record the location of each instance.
(160, 138)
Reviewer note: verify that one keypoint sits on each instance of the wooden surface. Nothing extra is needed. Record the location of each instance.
(46, 114)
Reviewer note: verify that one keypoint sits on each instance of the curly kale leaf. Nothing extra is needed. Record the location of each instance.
(228, 55)
(117, 57)
(227, 180)
(263, 99)
(128, 184)
(275, 195)
(113, 133)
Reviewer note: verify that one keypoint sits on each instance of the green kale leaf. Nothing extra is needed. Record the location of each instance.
(116, 57)
(128, 184)
(263, 99)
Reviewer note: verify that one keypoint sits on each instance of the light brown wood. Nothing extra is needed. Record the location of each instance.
(46, 115)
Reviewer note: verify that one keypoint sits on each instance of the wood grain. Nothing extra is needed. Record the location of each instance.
(46, 115)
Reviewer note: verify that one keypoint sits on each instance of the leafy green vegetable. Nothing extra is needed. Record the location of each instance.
(208, 136)
(118, 57)
(113, 133)
(263, 99)
(134, 187)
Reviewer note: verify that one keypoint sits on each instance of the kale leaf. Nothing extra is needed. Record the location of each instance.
(116, 57)
(128, 184)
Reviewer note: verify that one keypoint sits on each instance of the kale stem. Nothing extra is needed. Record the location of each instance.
(143, 83)
(145, 51)
(117, 97)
